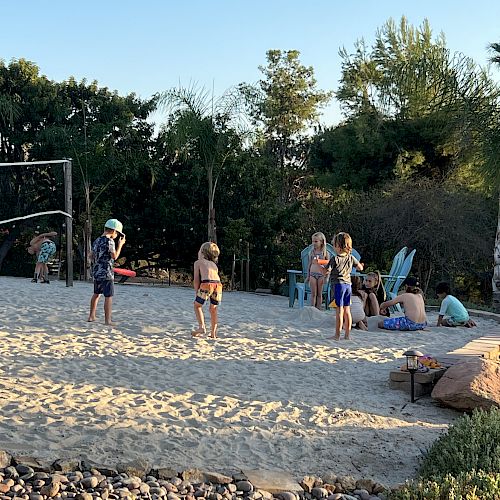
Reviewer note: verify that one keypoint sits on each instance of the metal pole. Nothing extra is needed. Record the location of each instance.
(412, 386)
(247, 285)
(68, 208)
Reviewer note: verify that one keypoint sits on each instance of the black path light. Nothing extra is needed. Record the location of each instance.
(412, 364)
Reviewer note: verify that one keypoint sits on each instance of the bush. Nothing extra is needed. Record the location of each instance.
(472, 443)
(466, 486)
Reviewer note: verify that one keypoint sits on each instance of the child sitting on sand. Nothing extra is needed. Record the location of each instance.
(208, 286)
(414, 306)
(374, 287)
(453, 308)
(358, 301)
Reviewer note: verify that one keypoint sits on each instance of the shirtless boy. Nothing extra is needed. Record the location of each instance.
(413, 303)
(208, 286)
(44, 248)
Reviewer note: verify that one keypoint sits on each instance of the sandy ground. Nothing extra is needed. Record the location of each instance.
(273, 392)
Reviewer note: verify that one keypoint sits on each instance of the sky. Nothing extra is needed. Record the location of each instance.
(149, 46)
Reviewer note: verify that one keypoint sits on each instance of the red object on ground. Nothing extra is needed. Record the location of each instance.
(124, 272)
(323, 262)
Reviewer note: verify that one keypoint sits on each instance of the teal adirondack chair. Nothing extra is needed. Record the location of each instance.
(397, 264)
(302, 290)
(403, 273)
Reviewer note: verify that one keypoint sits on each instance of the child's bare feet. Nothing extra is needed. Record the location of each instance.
(110, 323)
(347, 337)
(336, 337)
(199, 332)
(90, 319)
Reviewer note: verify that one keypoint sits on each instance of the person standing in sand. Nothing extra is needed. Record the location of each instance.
(413, 303)
(104, 254)
(340, 267)
(44, 249)
(207, 286)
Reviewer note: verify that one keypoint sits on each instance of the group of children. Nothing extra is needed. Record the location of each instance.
(353, 299)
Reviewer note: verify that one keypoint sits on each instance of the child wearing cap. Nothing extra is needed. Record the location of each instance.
(104, 253)
(412, 301)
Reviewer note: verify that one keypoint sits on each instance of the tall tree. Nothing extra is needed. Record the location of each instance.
(206, 129)
(284, 105)
(493, 170)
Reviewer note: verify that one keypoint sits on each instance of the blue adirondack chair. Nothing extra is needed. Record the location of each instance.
(403, 273)
(397, 264)
(302, 290)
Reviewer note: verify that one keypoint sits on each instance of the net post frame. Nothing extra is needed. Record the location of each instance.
(68, 206)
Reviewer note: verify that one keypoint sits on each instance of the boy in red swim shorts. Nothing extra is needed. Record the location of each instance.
(208, 287)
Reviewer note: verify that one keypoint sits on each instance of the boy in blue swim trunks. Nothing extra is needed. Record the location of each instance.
(104, 253)
(340, 267)
(413, 303)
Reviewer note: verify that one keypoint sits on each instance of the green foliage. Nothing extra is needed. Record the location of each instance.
(465, 486)
(471, 444)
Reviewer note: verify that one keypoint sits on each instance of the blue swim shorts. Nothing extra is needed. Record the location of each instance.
(342, 294)
(403, 323)
(104, 287)
(47, 250)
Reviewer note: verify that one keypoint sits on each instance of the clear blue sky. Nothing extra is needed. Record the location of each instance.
(151, 45)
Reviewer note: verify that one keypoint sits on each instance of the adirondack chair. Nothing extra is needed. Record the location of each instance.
(403, 273)
(397, 264)
(302, 290)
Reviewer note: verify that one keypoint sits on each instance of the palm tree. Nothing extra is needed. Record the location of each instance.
(495, 171)
(205, 129)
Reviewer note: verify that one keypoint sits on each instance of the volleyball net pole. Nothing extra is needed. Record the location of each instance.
(68, 208)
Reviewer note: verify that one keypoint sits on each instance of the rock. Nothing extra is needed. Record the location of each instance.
(51, 490)
(244, 486)
(362, 494)
(349, 497)
(348, 483)
(194, 476)
(273, 481)
(471, 384)
(144, 488)
(24, 470)
(4, 488)
(335, 496)
(5, 459)
(378, 488)
(172, 496)
(330, 478)
(35, 464)
(287, 495)
(308, 483)
(338, 488)
(365, 484)
(66, 465)
(216, 478)
(84, 496)
(319, 492)
(138, 467)
(231, 487)
(166, 473)
(89, 482)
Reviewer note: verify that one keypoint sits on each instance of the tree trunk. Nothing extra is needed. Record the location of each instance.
(212, 231)
(496, 269)
(87, 236)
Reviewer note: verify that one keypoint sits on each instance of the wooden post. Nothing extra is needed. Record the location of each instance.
(247, 284)
(233, 271)
(241, 274)
(68, 208)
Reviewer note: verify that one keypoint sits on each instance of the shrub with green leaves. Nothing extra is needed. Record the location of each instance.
(472, 443)
(466, 486)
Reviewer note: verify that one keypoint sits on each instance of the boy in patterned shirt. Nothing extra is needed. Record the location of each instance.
(104, 253)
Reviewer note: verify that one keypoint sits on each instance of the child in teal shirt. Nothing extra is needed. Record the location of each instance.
(451, 307)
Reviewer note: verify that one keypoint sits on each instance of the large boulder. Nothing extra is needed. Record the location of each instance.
(471, 384)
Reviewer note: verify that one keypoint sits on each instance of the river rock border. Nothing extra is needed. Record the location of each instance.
(29, 478)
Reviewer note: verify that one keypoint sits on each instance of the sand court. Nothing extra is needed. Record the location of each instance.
(272, 392)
